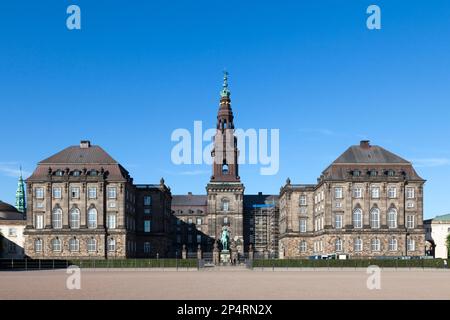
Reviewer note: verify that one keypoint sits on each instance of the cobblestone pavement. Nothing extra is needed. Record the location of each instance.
(239, 284)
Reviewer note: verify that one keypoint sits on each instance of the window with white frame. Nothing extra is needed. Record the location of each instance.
(92, 218)
(112, 192)
(56, 245)
(111, 245)
(338, 193)
(410, 223)
(147, 201)
(92, 193)
(147, 226)
(39, 221)
(92, 245)
(358, 245)
(12, 232)
(74, 218)
(303, 200)
(302, 225)
(357, 192)
(40, 205)
(375, 193)
(410, 193)
(376, 244)
(338, 221)
(74, 245)
(199, 221)
(190, 221)
(111, 221)
(75, 193)
(39, 193)
(392, 218)
(38, 245)
(147, 247)
(303, 210)
(411, 245)
(410, 205)
(225, 205)
(338, 245)
(338, 204)
(57, 218)
(303, 246)
(392, 244)
(375, 218)
(392, 192)
(226, 220)
(57, 193)
(357, 218)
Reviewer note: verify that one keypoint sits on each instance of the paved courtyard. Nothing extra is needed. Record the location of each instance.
(226, 284)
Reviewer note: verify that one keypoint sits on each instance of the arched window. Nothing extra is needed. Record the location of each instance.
(376, 245)
(358, 245)
(74, 218)
(375, 218)
(225, 169)
(57, 218)
(357, 218)
(392, 218)
(225, 205)
(56, 245)
(92, 218)
(74, 245)
(392, 244)
(111, 245)
(338, 245)
(303, 246)
(38, 245)
(92, 245)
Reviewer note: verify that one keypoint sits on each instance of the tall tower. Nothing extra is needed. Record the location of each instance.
(225, 190)
(20, 195)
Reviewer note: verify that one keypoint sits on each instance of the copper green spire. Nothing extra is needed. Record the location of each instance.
(225, 93)
(20, 194)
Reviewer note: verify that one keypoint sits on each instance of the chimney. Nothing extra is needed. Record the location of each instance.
(189, 193)
(365, 144)
(85, 144)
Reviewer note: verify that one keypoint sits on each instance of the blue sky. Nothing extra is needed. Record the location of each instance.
(140, 69)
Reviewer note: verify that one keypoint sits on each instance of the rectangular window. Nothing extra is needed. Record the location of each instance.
(303, 210)
(375, 193)
(338, 221)
(302, 225)
(39, 223)
(376, 245)
(338, 193)
(303, 200)
(57, 193)
(410, 205)
(147, 226)
(12, 232)
(112, 204)
(147, 247)
(39, 193)
(411, 245)
(75, 193)
(147, 211)
(40, 205)
(410, 222)
(338, 204)
(410, 193)
(189, 238)
(11, 247)
(112, 193)
(111, 221)
(199, 221)
(147, 201)
(92, 193)
(357, 193)
(199, 238)
(392, 192)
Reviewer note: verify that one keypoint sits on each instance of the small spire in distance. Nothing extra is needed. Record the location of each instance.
(225, 93)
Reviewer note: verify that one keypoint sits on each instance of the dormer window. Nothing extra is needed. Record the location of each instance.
(356, 173)
(76, 173)
(373, 173)
(59, 173)
(390, 173)
(93, 173)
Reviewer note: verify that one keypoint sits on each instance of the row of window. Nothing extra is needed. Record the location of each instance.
(189, 238)
(373, 173)
(375, 217)
(75, 192)
(77, 173)
(358, 193)
(74, 245)
(375, 245)
(12, 232)
(74, 219)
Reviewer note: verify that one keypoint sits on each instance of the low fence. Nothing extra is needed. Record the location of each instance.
(29, 264)
(382, 263)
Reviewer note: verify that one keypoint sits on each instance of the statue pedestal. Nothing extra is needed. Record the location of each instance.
(225, 257)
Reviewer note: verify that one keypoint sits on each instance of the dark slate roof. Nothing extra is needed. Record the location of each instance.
(259, 199)
(371, 154)
(78, 155)
(189, 200)
(8, 212)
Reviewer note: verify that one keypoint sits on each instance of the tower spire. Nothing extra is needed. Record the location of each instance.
(225, 93)
(20, 194)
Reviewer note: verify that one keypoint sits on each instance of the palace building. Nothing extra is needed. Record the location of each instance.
(82, 203)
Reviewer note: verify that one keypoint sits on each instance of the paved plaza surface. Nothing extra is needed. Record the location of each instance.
(226, 284)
